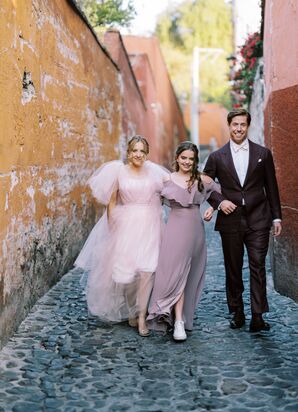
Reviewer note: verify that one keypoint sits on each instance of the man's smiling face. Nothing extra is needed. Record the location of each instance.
(238, 129)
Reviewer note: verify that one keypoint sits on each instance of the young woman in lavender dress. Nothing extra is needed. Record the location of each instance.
(121, 252)
(180, 272)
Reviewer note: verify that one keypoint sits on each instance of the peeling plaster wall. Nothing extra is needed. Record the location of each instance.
(60, 118)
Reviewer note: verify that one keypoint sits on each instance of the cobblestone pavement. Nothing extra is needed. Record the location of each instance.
(59, 360)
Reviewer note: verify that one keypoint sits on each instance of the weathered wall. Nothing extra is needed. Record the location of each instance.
(143, 110)
(281, 125)
(169, 119)
(134, 110)
(59, 119)
(152, 122)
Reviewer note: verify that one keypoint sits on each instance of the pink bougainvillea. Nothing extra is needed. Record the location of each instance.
(243, 70)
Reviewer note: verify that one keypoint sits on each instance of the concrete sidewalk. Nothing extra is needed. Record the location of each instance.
(60, 360)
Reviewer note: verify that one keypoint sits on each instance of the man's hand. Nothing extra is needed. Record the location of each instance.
(276, 229)
(208, 214)
(227, 207)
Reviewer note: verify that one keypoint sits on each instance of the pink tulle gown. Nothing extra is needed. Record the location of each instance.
(121, 252)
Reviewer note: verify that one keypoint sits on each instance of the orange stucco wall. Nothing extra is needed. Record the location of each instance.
(60, 118)
(281, 125)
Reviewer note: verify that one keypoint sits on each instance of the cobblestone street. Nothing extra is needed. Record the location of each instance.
(60, 360)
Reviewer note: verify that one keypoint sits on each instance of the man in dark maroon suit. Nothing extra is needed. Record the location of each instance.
(246, 173)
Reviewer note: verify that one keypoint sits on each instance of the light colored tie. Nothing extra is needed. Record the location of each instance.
(243, 147)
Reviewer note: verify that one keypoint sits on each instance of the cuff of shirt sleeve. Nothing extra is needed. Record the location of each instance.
(276, 220)
(219, 206)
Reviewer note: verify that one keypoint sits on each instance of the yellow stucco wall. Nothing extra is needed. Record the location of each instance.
(59, 120)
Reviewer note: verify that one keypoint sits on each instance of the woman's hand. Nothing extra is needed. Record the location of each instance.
(208, 214)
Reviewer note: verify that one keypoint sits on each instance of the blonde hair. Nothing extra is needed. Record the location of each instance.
(136, 139)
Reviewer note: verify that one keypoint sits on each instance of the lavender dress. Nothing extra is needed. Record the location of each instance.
(182, 258)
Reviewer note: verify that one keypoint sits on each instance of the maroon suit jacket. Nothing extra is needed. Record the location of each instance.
(260, 190)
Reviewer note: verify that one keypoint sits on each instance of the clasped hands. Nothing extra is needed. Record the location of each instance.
(226, 206)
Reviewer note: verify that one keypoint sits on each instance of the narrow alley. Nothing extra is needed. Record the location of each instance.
(60, 360)
(85, 83)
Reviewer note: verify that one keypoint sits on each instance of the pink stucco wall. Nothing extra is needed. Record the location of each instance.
(280, 45)
(149, 104)
(133, 106)
(145, 78)
(171, 128)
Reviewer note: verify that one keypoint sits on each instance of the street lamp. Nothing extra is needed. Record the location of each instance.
(195, 89)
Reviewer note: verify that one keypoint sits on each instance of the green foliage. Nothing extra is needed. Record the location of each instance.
(204, 24)
(107, 13)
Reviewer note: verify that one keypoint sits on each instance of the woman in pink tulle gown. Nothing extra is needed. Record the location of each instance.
(121, 252)
(180, 272)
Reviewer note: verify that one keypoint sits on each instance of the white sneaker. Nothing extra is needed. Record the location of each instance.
(179, 331)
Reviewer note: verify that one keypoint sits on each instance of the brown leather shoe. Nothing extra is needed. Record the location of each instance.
(238, 320)
(257, 324)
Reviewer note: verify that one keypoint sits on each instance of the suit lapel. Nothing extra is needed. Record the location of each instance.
(228, 162)
(254, 156)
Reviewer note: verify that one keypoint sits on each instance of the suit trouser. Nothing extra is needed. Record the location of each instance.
(256, 242)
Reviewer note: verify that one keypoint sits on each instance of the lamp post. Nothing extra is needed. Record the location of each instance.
(195, 89)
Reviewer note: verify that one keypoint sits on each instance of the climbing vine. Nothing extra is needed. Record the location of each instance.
(244, 67)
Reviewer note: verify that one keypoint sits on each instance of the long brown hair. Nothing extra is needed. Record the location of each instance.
(195, 173)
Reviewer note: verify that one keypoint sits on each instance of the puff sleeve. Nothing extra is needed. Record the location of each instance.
(211, 187)
(159, 172)
(104, 181)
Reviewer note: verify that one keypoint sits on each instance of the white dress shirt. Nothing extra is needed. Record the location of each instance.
(240, 155)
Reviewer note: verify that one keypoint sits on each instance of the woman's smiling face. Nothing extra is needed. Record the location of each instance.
(185, 161)
(137, 155)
